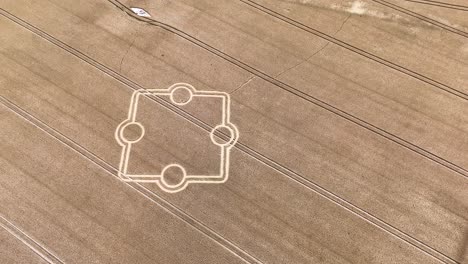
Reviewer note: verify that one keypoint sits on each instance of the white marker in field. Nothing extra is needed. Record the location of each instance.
(140, 12)
(160, 178)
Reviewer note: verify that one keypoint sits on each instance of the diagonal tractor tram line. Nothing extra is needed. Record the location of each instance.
(311, 99)
(356, 50)
(439, 4)
(113, 171)
(30, 242)
(288, 172)
(425, 18)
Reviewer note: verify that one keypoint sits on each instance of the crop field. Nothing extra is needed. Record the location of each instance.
(234, 131)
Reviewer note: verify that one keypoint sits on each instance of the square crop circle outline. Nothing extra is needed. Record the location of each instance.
(160, 179)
